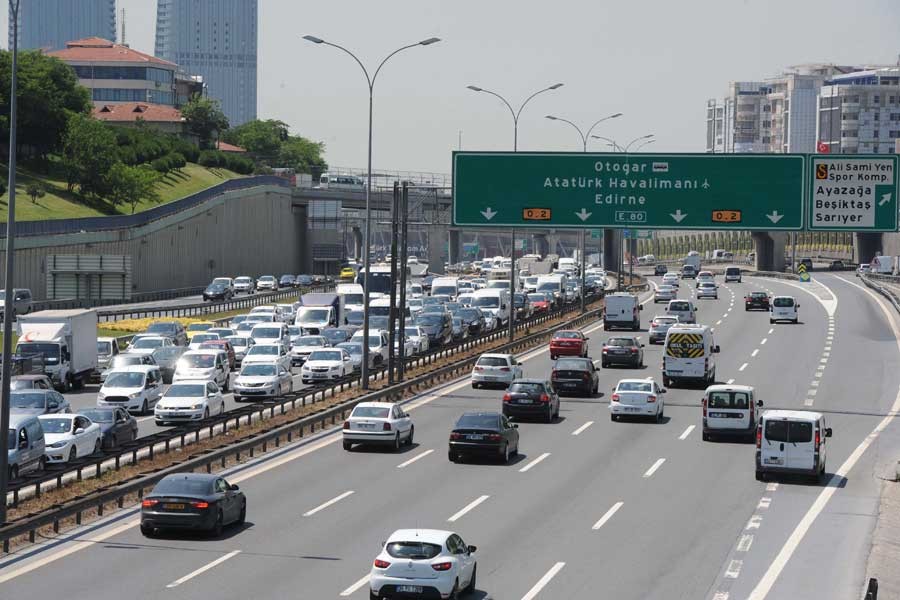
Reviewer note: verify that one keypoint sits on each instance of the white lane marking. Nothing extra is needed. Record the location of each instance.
(325, 505)
(829, 338)
(764, 502)
(730, 381)
(808, 402)
(772, 487)
(725, 316)
(609, 514)
(719, 322)
(352, 589)
(743, 366)
(771, 331)
(774, 571)
(745, 542)
(819, 373)
(582, 428)
(721, 596)
(414, 459)
(754, 522)
(142, 419)
(686, 433)
(763, 342)
(542, 583)
(812, 392)
(734, 569)
(534, 462)
(754, 353)
(203, 569)
(823, 360)
(826, 354)
(471, 505)
(654, 468)
(815, 383)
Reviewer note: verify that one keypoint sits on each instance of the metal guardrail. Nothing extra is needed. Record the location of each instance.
(283, 434)
(871, 281)
(135, 299)
(147, 444)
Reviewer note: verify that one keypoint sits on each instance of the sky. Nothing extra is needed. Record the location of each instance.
(655, 61)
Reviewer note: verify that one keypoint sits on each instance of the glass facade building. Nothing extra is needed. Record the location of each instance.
(49, 24)
(216, 39)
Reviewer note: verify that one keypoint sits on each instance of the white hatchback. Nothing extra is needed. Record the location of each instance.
(189, 400)
(671, 279)
(496, 369)
(637, 398)
(378, 423)
(423, 563)
(707, 289)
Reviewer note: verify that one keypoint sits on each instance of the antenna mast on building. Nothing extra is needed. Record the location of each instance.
(124, 40)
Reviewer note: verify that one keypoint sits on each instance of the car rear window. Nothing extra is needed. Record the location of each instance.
(620, 342)
(758, 295)
(680, 306)
(413, 550)
(190, 487)
(736, 400)
(800, 431)
(567, 335)
(372, 412)
(633, 386)
(572, 364)
(732, 271)
(479, 421)
(784, 302)
(492, 361)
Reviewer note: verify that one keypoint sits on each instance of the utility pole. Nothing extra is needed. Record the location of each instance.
(404, 246)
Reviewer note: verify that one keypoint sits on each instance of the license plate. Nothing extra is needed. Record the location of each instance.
(475, 437)
(173, 506)
(490, 377)
(632, 409)
(719, 415)
(409, 589)
(771, 460)
(569, 385)
(367, 425)
(524, 401)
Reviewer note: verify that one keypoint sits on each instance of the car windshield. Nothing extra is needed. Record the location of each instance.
(486, 301)
(430, 319)
(572, 364)
(313, 314)
(413, 550)
(379, 322)
(27, 399)
(758, 295)
(620, 342)
(162, 328)
(167, 353)
(633, 386)
(242, 280)
(666, 289)
(127, 379)
(412, 331)
(708, 284)
(567, 335)
(271, 333)
(56, 425)
(267, 278)
(104, 348)
(479, 421)
(326, 355)
(354, 317)
(736, 400)
(50, 352)
(97, 415)
(123, 360)
(199, 326)
(492, 361)
(197, 361)
(237, 341)
(311, 340)
(264, 350)
(179, 485)
(783, 302)
(353, 349)
(204, 337)
(679, 306)
(470, 314)
(186, 390)
(536, 298)
(548, 286)
(372, 412)
(334, 336)
(665, 320)
(527, 387)
(148, 343)
(259, 370)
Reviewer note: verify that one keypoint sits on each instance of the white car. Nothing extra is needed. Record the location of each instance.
(241, 346)
(705, 277)
(244, 284)
(707, 289)
(305, 346)
(415, 306)
(267, 283)
(68, 436)
(134, 388)
(496, 369)
(784, 308)
(637, 398)
(244, 329)
(418, 337)
(416, 291)
(409, 347)
(325, 364)
(199, 338)
(189, 400)
(664, 293)
(262, 380)
(425, 563)
(267, 353)
(378, 423)
(671, 279)
(206, 365)
(147, 344)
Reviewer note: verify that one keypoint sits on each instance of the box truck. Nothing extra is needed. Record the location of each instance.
(67, 341)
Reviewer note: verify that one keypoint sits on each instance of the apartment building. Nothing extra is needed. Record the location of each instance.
(859, 112)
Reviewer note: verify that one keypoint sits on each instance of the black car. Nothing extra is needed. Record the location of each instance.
(622, 351)
(483, 434)
(437, 326)
(573, 374)
(473, 318)
(167, 358)
(287, 281)
(756, 300)
(336, 336)
(660, 270)
(837, 265)
(192, 501)
(117, 425)
(806, 262)
(304, 280)
(531, 398)
(217, 291)
(522, 306)
(170, 329)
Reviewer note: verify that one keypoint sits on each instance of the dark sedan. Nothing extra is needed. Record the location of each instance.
(484, 434)
(623, 351)
(575, 375)
(837, 265)
(660, 270)
(473, 318)
(756, 300)
(531, 398)
(437, 327)
(192, 501)
(304, 280)
(167, 359)
(287, 281)
(117, 425)
(217, 291)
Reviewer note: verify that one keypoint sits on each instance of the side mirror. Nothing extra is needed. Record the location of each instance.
(640, 307)
(642, 345)
(472, 549)
(759, 403)
(586, 339)
(797, 305)
(515, 425)
(79, 431)
(233, 487)
(663, 391)
(23, 445)
(54, 405)
(715, 349)
(828, 432)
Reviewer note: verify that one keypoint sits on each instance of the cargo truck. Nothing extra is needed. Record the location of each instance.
(67, 341)
(320, 311)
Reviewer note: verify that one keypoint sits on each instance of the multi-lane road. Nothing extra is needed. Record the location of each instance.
(590, 509)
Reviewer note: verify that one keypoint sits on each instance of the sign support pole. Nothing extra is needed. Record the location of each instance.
(512, 286)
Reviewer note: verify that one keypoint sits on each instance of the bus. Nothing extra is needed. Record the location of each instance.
(381, 278)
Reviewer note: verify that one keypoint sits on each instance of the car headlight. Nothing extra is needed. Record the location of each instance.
(57, 444)
(305, 368)
(134, 395)
(197, 406)
(101, 396)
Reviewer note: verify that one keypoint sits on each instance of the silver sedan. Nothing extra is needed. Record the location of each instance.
(263, 381)
(664, 293)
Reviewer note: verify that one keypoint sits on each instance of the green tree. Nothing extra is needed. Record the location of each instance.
(261, 138)
(205, 119)
(132, 185)
(89, 152)
(35, 190)
(2, 187)
(303, 155)
(48, 95)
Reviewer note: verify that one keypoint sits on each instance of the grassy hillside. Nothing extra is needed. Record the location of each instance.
(60, 204)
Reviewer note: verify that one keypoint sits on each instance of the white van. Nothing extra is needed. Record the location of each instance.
(689, 355)
(784, 308)
(729, 410)
(134, 388)
(270, 333)
(353, 294)
(555, 284)
(448, 286)
(623, 311)
(493, 301)
(378, 344)
(683, 309)
(791, 442)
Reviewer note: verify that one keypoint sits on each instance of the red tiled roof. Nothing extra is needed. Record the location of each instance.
(132, 111)
(99, 50)
(226, 147)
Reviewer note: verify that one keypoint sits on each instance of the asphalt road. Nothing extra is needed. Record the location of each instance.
(591, 508)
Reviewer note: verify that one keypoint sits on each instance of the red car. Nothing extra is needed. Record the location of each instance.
(220, 345)
(568, 343)
(539, 303)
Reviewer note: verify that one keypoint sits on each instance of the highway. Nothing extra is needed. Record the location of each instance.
(590, 509)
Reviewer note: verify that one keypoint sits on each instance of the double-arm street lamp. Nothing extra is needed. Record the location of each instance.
(367, 265)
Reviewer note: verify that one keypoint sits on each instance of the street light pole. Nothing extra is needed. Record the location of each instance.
(584, 143)
(515, 115)
(367, 265)
(8, 307)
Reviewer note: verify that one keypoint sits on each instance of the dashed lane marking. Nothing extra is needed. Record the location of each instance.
(687, 432)
(734, 569)
(745, 542)
(204, 569)
(543, 581)
(754, 353)
(654, 468)
(331, 502)
(414, 459)
(582, 428)
(533, 463)
(608, 515)
(352, 589)
(468, 507)
(743, 366)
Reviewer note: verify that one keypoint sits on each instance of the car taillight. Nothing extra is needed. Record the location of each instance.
(759, 437)
(507, 397)
(605, 351)
(455, 436)
(150, 502)
(545, 398)
(615, 397)
(703, 404)
(381, 564)
(444, 566)
(634, 350)
(346, 424)
(818, 439)
(653, 323)
(651, 398)
(505, 369)
(479, 369)
(386, 427)
(200, 504)
(494, 437)
(552, 373)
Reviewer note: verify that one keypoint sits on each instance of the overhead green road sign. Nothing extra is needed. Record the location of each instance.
(857, 193)
(646, 191)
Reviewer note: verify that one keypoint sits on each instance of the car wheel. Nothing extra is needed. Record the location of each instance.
(397, 442)
(242, 518)
(659, 416)
(160, 423)
(549, 417)
(760, 476)
(603, 365)
(145, 407)
(453, 456)
(505, 455)
(374, 596)
(613, 417)
(217, 527)
(13, 472)
(348, 446)
(73, 454)
(205, 413)
(470, 589)
(771, 321)
(149, 532)
(412, 432)
(97, 446)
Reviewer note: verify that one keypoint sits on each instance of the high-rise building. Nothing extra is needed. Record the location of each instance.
(49, 24)
(216, 39)
(859, 113)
